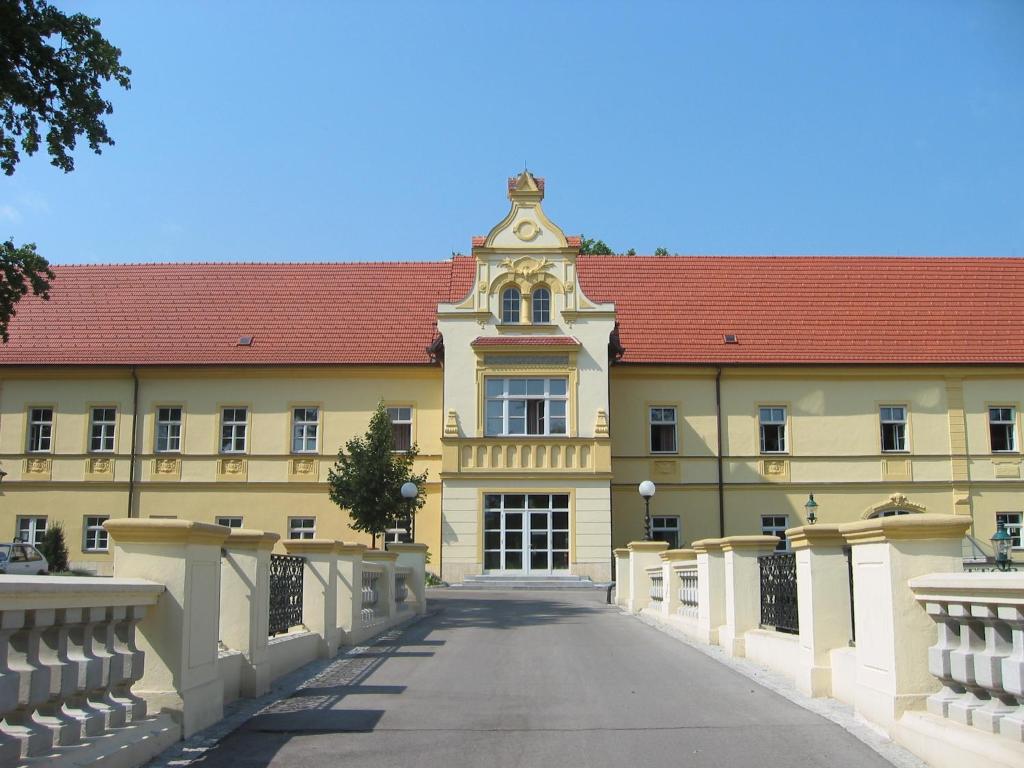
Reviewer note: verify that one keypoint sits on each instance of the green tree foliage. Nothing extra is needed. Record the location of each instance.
(23, 270)
(631, 252)
(54, 548)
(594, 247)
(661, 251)
(368, 476)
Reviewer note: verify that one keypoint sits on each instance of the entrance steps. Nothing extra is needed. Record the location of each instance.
(523, 581)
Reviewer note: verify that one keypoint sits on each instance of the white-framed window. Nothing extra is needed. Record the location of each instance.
(233, 426)
(893, 419)
(96, 539)
(168, 429)
(773, 428)
(305, 425)
(230, 522)
(510, 302)
(101, 429)
(398, 533)
(301, 527)
(401, 426)
(1002, 428)
(40, 430)
(1012, 523)
(665, 528)
(776, 525)
(526, 406)
(894, 512)
(662, 421)
(31, 529)
(540, 306)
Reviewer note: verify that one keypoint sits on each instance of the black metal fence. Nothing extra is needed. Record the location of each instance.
(778, 593)
(848, 551)
(285, 592)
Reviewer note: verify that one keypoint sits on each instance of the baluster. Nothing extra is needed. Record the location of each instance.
(13, 745)
(972, 644)
(939, 662)
(1012, 725)
(988, 669)
(67, 729)
(114, 713)
(33, 686)
(89, 670)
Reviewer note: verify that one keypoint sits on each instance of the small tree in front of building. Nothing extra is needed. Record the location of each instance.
(367, 478)
(54, 548)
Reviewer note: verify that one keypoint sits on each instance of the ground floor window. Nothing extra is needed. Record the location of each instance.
(31, 529)
(230, 522)
(96, 539)
(776, 525)
(665, 529)
(301, 527)
(1012, 522)
(526, 532)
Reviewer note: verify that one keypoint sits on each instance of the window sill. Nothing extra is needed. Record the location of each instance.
(663, 453)
(525, 327)
(895, 453)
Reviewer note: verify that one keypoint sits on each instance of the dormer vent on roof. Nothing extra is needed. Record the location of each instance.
(731, 338)
(244, 341)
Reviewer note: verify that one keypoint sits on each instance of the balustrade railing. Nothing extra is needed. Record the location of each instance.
(778, 593)
(286, 572)
(688, 592)
(657, 587)
(401, 587)
(370, 594)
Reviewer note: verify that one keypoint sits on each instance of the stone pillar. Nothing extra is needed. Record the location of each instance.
(742, 588)
(319, 590)
(245, 604)
(386, 586)
(823, 592)
(621, 577)
(710, 588)
(414, 556)
(893, 633)
(350, 590)
(642, 555)
(669, 559)
(180, 634)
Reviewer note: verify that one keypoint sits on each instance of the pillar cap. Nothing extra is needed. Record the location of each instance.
(251, 538)
(620, 552)
(379, 554)
(401, 547)
(810, 536)
(145, 530)
(648, 546)
(756, 543)
(677, 555)
(349, 547)
(707, 545)
(311, 546)
(921, 527)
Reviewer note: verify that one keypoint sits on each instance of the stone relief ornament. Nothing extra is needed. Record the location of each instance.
(233, 467)
(37, 466)
(527, 268)
(100, 466)
(166, 466)
(303, 466)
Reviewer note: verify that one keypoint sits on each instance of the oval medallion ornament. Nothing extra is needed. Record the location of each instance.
(526, 230)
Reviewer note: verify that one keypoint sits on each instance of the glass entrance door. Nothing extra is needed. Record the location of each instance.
(526, 532)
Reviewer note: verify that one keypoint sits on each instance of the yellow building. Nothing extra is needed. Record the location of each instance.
(541, 386)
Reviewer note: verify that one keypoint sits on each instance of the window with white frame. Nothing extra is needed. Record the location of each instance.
(540, 305)
(398, 532)
(773, 428)
(305, 424)
(401, 426)
(662, 422)
(233, 425)
(230, 522)
(510, 301)
(894, 427)
(101, 430)
(665, 529)
(776, 525)
(1012, 522)
(95, 534)
(893, 512)
(40, 430)
(168, 429)
(1002, 428)
(31, 529)
(301, 527)
(526, 406)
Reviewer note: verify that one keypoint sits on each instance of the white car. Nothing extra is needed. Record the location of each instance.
(17, 559)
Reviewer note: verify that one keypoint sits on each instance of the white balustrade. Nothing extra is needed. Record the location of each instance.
(370, 592)
(688, 591)
(657, 591)
(401, 584)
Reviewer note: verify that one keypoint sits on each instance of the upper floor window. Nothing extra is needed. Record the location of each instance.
(510, 300)
(101, 430)
(401, 427)
(776, 525)
(665, 529)
(773, 429)
(1002, 428)
(663, 429)
(40, 430)
(233, 425)
(301, 527)
(230, 522)
(1012, 521)
(526, 406)
(894, 427)
(540, 304)
(168, 429)
(305, 423)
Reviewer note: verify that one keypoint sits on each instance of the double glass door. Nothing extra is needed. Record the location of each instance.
(526, 532)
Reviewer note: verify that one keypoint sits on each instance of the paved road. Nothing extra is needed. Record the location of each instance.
(535, 679)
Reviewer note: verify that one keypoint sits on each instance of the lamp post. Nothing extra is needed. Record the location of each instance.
(812, 510)
(409, 493)
(647, 489)
(1001, 543)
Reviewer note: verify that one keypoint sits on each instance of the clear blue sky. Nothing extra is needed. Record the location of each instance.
(366, 131)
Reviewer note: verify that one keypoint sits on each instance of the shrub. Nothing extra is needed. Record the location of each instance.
(54, 548)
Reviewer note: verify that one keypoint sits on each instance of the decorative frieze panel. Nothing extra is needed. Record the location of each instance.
(37, 468)
(507, 456)
(775, 470)
(232, 469)
(304, 469)
(1008, 467)
(99, 468)
(166, 468)
(895, 469)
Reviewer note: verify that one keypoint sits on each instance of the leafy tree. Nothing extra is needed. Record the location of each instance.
(54, 548)
(661, 251)
(52, 67)
(631, 252)
(368, 476)
(594, 247)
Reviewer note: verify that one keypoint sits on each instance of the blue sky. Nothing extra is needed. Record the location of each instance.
(312, 131)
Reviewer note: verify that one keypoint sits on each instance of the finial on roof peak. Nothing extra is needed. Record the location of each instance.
(525, 186)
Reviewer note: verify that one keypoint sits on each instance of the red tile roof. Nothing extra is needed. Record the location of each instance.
(526, 341)
(672, 309)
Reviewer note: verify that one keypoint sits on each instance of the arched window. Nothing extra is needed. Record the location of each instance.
(541, 305)
(510, 305)
(890, 513)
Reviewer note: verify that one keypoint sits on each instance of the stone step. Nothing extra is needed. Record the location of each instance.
(512, 581)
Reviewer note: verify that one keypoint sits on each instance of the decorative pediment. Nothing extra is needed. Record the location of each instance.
(526, 225)
(897, 503)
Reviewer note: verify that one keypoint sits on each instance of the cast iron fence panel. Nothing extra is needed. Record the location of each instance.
(285, 592)
(688, 599)
(778, 592)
